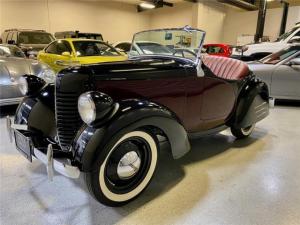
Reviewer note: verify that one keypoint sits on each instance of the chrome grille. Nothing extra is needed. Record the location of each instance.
(67, 117)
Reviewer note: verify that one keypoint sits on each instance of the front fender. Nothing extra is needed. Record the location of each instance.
(132, 114)
(38, 112)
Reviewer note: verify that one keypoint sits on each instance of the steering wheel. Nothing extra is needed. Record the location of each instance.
(181, 51)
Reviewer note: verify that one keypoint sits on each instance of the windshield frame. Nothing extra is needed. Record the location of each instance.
(185, 28)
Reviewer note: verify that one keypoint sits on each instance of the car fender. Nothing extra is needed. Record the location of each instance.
(252, 104)
(132, 114)
(38, 112)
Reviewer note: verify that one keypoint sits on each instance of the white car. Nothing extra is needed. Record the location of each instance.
(258, 51)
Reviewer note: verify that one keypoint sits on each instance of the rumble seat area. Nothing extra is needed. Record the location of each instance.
(226, 68)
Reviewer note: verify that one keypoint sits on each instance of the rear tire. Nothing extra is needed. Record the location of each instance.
(242, 132)
(125, 169)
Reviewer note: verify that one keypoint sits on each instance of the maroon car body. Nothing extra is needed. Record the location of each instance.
(105, 118)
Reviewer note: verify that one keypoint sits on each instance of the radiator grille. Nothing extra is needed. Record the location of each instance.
(67, 117)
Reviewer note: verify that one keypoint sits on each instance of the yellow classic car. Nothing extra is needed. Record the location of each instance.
(63, 53)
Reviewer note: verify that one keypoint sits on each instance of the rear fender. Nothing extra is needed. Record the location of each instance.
(252, 104)
(132, 114)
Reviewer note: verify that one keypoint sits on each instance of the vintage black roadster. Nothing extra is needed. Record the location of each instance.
(103, 120)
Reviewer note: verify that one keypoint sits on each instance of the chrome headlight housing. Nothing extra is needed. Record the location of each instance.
(94, 107)
(86, 108)
(48, 75)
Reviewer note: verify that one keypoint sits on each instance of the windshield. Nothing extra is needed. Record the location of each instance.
(35, 38)
(94, 48)
(285, 35)
(12, 51)
(184, 43)
(281, 55)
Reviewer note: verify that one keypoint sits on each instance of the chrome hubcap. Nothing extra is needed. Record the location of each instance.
(129, 165)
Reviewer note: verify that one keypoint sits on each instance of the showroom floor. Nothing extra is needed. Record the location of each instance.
(221, 181)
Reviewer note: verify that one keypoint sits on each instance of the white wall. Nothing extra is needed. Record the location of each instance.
(240, 22)
(116, 21)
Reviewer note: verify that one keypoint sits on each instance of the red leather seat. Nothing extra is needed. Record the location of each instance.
(226, 68)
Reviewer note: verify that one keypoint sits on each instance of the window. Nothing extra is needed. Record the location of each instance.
(4, 37)
(35, 38)
(214, 50)
(94, 48)
(63, 46)
(51, 48)
(9, 36)
(15, 37)
(58, 47)
(281, 55)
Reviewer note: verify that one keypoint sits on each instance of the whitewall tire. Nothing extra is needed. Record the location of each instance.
(126, 170)
(242, 132)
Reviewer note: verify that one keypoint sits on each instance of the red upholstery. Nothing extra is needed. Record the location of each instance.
(226, 68)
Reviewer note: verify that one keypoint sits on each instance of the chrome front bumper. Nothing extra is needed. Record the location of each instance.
(51, 163)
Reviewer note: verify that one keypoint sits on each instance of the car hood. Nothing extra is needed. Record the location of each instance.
(12, 67)
(140, 65)
(262, 47)
(37, 47)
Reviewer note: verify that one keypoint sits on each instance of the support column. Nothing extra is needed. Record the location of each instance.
(284, 17)
(262, 10)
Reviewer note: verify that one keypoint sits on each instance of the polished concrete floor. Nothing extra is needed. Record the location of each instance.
(221, 181)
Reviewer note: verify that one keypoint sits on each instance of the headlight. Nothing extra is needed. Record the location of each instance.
(86, 108)
(23, 85)
(48, 75)
(95, 106)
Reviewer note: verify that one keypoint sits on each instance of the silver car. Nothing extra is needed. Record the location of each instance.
(13, 64)
(281, 71)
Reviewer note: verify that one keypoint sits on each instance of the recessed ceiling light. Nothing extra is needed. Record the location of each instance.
(147, 5)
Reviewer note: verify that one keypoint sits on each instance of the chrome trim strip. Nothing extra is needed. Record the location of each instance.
(19, 126)
(60, 167)
(260, 105)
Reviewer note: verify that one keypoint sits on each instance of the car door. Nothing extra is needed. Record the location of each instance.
(286, 80)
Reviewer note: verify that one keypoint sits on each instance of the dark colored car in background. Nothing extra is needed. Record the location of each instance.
(30, 41)
(77, 34)
(223, 50)
(103, 120)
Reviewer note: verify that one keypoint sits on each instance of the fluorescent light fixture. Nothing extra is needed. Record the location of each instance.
(147, 5)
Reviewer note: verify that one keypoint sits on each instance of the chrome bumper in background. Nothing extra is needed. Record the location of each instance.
(62, 167)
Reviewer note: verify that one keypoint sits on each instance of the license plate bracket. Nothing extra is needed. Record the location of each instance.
(23, 144)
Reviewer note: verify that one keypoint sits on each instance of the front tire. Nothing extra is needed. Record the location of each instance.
(126, 169)
(242, 132)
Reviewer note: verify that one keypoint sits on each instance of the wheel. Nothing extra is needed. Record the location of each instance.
(126, 168)
(242, 132)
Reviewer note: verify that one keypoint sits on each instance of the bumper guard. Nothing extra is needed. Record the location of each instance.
(51, 163)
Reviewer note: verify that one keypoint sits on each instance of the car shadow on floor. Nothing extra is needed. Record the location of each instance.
(167, 181)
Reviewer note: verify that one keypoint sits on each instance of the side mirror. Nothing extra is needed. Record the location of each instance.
(67, 54)
(11, 42)
(295, 62)
(295, 39)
